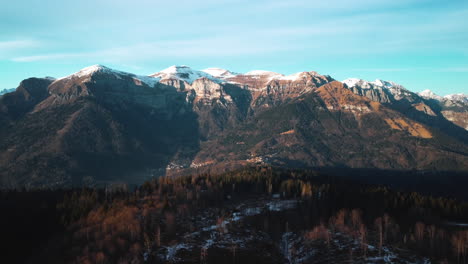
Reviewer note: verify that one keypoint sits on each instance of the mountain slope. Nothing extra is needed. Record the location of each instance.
(448, 116)
(333, 127)
(101, 125)
(453, 107)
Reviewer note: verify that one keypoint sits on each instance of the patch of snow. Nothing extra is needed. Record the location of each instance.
(262, 73)
(89, 71)
(351, 82)
(184, 73)
(462, 98)
(383, 83)
(220, 73)
(252, 211)
(281, 205)
(172, 251)
(148, 80)
(428, 94)
(398, 91)
(209, 242)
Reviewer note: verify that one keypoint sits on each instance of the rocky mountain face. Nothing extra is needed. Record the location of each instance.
(453, 107)
(101, 125)
(448, 114)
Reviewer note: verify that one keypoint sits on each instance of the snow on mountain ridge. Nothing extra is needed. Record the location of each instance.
(428, 94)
(277, 76)
(184, 73)
(397, 90)
(220, 73)
(91, 70)
(460, 97)
(350, 82)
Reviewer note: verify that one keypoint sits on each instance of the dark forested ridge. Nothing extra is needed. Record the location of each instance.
(253, 215)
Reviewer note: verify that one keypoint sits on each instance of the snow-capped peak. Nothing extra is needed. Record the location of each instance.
(219, 73)
(462, 98)
(398, 91)
(91, 70)
(428, 94)
(351, 82)
(385, 84)
(183, 73)
(88, 71)
(273, 76)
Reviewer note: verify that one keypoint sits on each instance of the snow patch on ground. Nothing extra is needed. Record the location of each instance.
(172, 251)
(281, 205)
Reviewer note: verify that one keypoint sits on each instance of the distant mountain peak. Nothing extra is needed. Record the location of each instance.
(4, 91)
(351, 82)
(93, 69)
(397, 90)
(183, 73)
(386, 84)
(428, 94)
(219, 72)
(460, 97)
(90, 71)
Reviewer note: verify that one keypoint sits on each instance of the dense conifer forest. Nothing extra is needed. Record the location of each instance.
(254, 215)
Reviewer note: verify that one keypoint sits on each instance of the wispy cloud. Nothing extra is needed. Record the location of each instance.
(452, 69)
(335, 4)
(17, 44)
(44, 57)
(414, 69)
(384, 70)
(226, 46)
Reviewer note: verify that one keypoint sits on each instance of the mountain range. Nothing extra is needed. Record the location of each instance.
(101, 125)
(4, 91)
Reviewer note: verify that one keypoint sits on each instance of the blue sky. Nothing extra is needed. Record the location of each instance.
(422, 44)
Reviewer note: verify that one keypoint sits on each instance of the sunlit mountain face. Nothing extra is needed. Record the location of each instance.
(295, 132)
(101, 125)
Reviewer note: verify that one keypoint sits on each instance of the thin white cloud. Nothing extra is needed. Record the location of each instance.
(335, 4)
(44, 57)
(226, 46)
(426, 69)
(10, 45)
(384, 69)
(453, 69)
